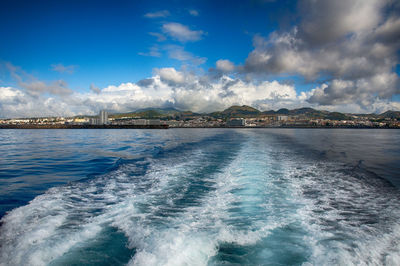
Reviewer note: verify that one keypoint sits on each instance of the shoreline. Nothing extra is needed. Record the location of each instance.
(83, 126)
(167, 127)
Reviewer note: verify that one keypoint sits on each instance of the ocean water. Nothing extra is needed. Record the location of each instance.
(200, 197)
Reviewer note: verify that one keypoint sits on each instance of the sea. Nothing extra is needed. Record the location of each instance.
(200, 197)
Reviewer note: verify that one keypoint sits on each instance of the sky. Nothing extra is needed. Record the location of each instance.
(64, 58)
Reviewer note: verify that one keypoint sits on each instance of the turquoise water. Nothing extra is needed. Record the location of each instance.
(200, 197)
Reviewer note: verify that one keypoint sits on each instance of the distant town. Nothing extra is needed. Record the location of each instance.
(235, 116)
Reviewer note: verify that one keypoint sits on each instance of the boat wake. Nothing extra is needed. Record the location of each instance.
(241, 198)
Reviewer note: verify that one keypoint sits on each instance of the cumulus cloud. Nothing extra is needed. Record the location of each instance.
(94, 89)
(167, 87)
(169, 74)
(63, 69)
(158, 14)
(16, 103)
(327, 21)
(184, 90)
(361, 91)
(224, 65)
(145, 82)
(187, 91)
(181, 32)
(352, 45)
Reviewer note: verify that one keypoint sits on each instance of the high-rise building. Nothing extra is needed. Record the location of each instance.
(103, 117)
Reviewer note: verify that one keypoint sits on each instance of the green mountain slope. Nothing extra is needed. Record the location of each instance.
(248, 111)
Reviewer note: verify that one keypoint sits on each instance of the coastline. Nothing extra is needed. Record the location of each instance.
(167, 127)
(83, 126)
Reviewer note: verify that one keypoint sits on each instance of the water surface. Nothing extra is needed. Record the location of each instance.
(200, 197)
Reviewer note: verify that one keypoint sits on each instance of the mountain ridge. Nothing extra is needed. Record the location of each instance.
(246, 111)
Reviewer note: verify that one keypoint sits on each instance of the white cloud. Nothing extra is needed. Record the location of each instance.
(9, 93)
(94, 89)
(63, 69)
(158, 14)
(168, 87)
(326, 21)
(224, 65)
(352, 45)
(185, 91)
(169, 74)
(15, 103)
(181, 32)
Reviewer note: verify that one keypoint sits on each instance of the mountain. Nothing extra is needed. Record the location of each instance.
(310, 112)
(248, 111)
(153, 113)
(270, 112)
(337, 116)
(304, 110)
(283, 111)
(237, 111)
(161, 111)
(391, 114)
(241, 110)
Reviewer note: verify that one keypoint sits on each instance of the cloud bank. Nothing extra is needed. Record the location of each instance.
(351, 45)
(168, 87)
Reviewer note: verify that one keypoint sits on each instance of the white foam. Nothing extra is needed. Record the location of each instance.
(64, 217)
(334, 218)
(248, 199)
(200, 229)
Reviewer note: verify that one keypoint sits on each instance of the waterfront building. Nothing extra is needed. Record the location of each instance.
(154, 122)
(140, 122)
(237, 122)
(80, 120)
(94, 120)
(103, 117)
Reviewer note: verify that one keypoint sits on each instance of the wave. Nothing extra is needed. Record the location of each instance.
(240, 198)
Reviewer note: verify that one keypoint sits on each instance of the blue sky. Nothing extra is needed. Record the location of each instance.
(308, 45)
(104, 39)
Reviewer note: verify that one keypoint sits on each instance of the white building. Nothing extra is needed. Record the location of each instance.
(140, 122)
(103, 117)
(236, 122)
(94, 120)
(154, 122)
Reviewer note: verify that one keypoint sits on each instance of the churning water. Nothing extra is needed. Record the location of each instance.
(200, 197)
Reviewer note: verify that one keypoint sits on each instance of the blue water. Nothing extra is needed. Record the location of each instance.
(200, 197)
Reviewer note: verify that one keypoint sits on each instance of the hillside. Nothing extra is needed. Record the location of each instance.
(149, 113)
(237, 111)
(391, 114)
(248, 111)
